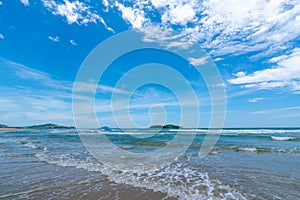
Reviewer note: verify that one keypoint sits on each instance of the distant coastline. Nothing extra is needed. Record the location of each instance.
(5, 128)
(41, 126)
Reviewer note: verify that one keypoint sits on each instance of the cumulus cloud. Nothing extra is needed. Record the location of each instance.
(135, 16)
(25, 2)
(1, 36)
(1, 3)
(222, 27)
(53, 38)
(284, 74)
(75, 12)
(105, 3)
(181, 14)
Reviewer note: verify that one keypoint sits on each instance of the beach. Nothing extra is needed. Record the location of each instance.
(244, 164)
(11, 129)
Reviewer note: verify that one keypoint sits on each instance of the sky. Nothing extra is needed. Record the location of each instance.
(254, 45)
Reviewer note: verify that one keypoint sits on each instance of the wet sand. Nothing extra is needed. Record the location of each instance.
(27, 178)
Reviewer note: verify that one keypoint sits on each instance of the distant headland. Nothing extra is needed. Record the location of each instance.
(50, 126)
(41, 126)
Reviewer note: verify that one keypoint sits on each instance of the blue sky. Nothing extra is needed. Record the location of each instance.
(254, 44)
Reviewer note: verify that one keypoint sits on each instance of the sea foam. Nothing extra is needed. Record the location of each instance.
(282, 138)
(177, 180)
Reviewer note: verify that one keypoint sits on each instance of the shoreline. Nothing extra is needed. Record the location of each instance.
(11, 129)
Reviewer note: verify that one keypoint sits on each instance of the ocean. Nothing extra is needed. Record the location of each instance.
(244, 164)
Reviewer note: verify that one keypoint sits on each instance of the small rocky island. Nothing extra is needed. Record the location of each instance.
(168, 126)
(105, 128)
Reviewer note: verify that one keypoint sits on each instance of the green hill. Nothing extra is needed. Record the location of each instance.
(3, 126)
(50, 126)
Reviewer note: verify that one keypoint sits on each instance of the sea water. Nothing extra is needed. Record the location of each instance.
(244, 164)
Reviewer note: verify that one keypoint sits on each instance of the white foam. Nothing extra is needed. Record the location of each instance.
(283, 138)
(60, 131)
(33, 145)
(177, 180)
(247, 149)
(188, 130)
(191, 131)
(260, 131)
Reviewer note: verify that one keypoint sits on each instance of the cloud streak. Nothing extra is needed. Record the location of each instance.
(53, 38)
(293, 108)
(31, 96)
(73, 42)
(254, 100)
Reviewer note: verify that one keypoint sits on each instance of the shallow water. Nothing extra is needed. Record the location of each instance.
(244, 164)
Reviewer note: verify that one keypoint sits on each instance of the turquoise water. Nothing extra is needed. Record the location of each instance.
(244, 164)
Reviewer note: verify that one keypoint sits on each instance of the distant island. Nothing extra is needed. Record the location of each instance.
(105, 128)
(49, 126)
(41, 126)
(168, 126)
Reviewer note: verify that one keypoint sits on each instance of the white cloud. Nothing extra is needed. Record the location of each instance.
(1, 3)
(199, 61)
(53, 38)
(278, 58)
(105, 3)
(135, 16)
(1, 36)
(222, 27)
(218, 59)
(254, 100)
(166, 37)
(240, 27)
(284, 74)
(75, 12)
(73, 42)
(25, 2)
(181, 14)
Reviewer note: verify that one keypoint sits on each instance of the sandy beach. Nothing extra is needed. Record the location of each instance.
(11, 129)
